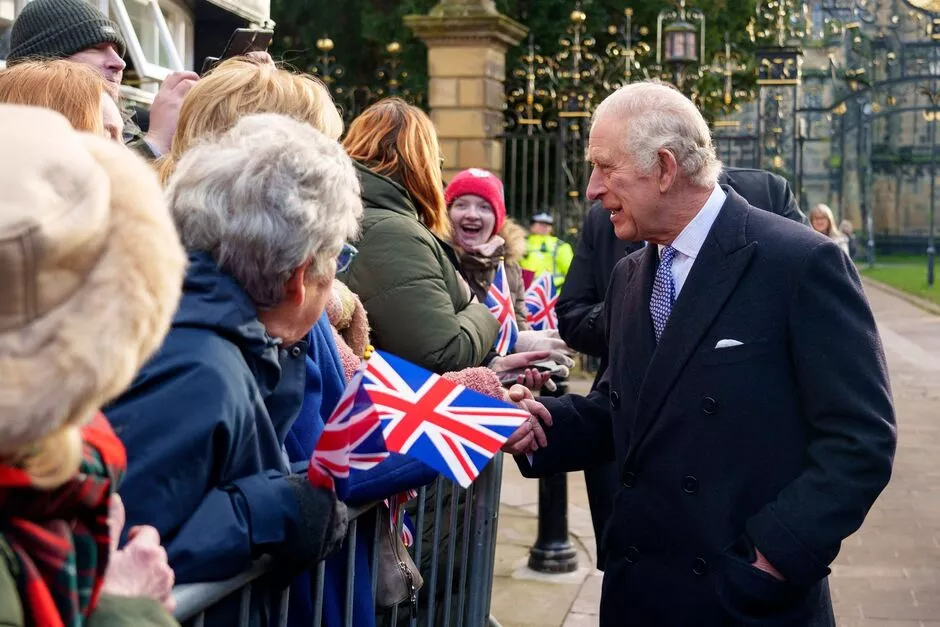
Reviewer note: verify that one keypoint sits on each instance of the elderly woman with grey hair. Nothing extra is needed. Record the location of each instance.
(264, 211)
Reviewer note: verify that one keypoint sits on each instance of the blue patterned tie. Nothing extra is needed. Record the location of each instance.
(664, 292)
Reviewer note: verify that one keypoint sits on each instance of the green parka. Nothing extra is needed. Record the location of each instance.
(418, 307)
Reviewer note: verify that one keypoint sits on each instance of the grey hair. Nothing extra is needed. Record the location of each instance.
(656, 115)
(264, 198)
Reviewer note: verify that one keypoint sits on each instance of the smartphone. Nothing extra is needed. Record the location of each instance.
(242, 41)
(509, 377)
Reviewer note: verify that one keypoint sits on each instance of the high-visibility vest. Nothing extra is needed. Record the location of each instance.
(547, 253)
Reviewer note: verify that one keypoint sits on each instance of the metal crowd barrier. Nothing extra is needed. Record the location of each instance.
(457, 595)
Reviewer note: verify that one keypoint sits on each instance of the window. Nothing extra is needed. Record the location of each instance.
(143, 18)
(158, 35)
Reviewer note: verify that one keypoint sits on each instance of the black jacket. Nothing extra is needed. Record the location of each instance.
(581, 304)
(782, 442)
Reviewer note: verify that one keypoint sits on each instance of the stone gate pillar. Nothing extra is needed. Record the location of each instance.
(467, 42)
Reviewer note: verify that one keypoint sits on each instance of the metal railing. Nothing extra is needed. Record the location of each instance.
(457, 571)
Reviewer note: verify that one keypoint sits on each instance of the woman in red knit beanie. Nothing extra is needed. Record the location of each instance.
(483, 237)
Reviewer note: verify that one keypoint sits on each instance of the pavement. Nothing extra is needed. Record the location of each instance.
(887, 574)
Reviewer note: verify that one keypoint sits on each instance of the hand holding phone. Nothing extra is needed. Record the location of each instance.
(242, 42)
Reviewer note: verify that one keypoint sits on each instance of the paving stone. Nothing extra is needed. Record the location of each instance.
(589, 598)
(890, 569)
(576, 619)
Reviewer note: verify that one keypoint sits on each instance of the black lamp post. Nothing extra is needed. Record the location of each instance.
(679, 43)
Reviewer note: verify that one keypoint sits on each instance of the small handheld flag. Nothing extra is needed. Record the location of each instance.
(452, 429)
(499, 300)
(540, 301)
(351, 440)
(393, 406)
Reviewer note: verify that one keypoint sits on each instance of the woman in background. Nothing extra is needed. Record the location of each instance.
(823, 222)
(484, 238)
(848, 230)
(405, 273)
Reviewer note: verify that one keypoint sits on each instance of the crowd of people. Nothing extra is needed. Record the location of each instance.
(183, 308)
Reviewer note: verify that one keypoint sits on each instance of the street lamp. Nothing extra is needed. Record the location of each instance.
(679, 43)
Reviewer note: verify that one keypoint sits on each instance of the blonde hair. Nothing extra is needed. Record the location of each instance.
(55, 459)
(826, 212)
(69, 88)
(398, 140)
(240, 87)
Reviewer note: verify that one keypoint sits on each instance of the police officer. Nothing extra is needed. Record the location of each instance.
(545, 252)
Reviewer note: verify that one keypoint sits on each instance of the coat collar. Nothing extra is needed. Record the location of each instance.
(213, 300)
(721, 262)
(382, 192)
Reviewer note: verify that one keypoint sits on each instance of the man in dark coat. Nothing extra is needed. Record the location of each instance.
(580, 306)
(748, 450)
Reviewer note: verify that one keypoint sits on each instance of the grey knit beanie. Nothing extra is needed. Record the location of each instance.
(60, 28)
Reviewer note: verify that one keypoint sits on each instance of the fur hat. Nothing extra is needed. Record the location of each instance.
(480, 183)
(52, 29)
(91, 271)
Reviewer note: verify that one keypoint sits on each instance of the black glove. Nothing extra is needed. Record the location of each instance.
(322, 527)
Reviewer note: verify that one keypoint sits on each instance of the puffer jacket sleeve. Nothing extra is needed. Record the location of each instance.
(403, 285)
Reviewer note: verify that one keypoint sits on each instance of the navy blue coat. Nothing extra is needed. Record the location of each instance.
(204, 424)
(780, 443)
(580, 308)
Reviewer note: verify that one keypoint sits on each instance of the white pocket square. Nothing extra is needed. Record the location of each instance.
(727, 343)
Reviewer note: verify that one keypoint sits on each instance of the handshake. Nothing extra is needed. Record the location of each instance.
(530, 436)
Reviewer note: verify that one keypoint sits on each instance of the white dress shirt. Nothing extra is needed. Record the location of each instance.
(690, 240)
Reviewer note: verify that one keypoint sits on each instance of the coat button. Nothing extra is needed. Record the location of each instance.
(629, 479)
(615, 400)
(699, 566)
(709, 406)
(296, 352)
(689, 484)
(633, 554)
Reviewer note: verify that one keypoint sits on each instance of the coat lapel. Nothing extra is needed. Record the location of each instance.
(635, 307)
(719, 265)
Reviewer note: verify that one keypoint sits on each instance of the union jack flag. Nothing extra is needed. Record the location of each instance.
(351, 440)
(540, 301)
(499, 300)
(452, 429)
(396, 506)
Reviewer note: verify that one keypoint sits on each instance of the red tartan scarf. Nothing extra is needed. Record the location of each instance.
(60, 537)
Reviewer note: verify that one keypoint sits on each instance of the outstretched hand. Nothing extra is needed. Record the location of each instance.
(532, 378)
(530, 436)
(546, 340)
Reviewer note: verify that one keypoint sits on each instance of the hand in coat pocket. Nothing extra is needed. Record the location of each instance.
(753, 596)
